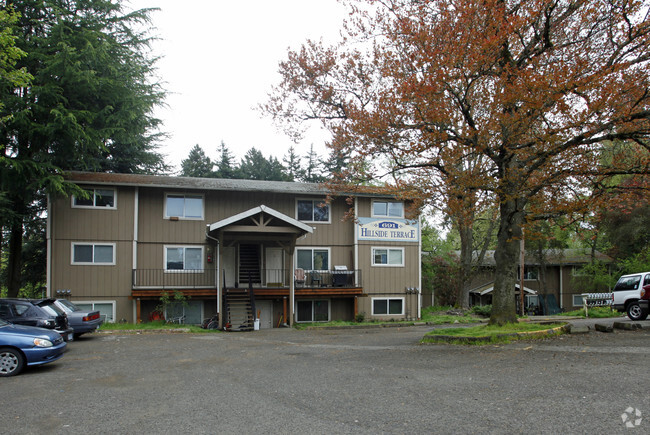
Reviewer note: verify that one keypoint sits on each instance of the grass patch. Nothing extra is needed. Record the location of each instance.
(595, 313)
(150, 326)
(487, 334)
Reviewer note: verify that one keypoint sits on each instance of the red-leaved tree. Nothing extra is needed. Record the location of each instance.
(509, 102)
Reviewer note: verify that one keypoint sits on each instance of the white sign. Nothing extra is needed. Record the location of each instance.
(388, 230)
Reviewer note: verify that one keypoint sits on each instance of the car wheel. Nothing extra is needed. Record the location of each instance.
(11, 362)
(635, 312)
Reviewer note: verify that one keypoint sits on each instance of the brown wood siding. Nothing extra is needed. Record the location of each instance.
(89, 282)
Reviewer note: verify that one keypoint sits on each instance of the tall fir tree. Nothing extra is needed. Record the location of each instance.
(292, 169)
(197, 164)
(226, 167)
(88, 107)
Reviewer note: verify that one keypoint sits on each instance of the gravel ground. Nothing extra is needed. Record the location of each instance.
(360, 381)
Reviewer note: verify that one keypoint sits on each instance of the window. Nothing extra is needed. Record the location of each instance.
(577, 301)
(192, 310)
(184, 206)
(313, 258)
(106, 308)
(313, 210)
(183, 258)
(313, 311)
(530, 273)
(93, 253)
(97, 198)
(388, 257)
(387, 306)
(387, 209)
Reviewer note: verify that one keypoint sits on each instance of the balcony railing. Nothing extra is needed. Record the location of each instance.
(267, 278)
(174, 279)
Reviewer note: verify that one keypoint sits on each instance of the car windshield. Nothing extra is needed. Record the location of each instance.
(67, 305)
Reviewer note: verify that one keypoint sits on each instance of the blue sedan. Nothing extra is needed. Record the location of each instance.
(27, 345)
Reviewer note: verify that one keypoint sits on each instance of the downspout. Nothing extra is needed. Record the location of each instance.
(48, 237)
(356, 236)
(420, 268)
(134, 260)
(218, 255)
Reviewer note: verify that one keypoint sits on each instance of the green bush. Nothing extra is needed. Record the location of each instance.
(484, 310)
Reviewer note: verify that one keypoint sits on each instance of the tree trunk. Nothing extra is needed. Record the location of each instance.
(507, 260)
(466, 244)
(14, 262)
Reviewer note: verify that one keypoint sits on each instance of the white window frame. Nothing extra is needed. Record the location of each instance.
(315, 203)
(167, 216)
(93, 244)
(387, 299)
(388, 249)
(93, 302)
(93, 192)
(329, 310)
(201, 270)
(312, 249)
(387, 215)
(573, 300)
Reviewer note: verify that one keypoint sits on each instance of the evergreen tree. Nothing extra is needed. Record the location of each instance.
(292, 169)
(313, 173)
(88, 107)
(254, 166)
(197, 164)
(226, 167)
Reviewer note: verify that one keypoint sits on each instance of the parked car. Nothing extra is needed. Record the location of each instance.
(27, 345)
(627, 293)
(81, 321)
(644, 301)
(42, 313)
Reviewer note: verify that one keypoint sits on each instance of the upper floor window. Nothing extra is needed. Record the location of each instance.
(183, 258)
(388, 257)
(313, 258)
(184, 206)
(387, 209)
(93, 253)
(97, 198)
(530, 273)
(313, 210)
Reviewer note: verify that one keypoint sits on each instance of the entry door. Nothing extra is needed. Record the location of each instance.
(274, 263)
(229, 265)
(265, 312)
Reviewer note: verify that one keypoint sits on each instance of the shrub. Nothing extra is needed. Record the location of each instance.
(484, 310)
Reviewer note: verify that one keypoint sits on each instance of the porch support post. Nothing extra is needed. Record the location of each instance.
(356, 307)
(284, 309)
(138, 311)
(292, 288)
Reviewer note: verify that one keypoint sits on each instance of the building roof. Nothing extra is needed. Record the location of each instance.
(195, 183)
(554, 257)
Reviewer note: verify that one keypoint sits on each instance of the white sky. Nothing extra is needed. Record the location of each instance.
(220, 59)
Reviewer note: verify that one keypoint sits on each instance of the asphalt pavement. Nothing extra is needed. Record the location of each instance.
(361, 381)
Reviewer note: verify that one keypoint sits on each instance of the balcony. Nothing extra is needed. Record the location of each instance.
(160, 279)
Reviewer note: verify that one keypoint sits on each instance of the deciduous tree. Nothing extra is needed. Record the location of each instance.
(528, 90)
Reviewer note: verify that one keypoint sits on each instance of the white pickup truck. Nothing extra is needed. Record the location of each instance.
(627, 292)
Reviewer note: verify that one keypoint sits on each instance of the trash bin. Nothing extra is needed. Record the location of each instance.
(256, 325)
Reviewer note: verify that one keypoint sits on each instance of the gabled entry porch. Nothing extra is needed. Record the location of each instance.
(255, 249)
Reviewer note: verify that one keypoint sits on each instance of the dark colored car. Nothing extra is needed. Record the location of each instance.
(81, 321)
(644, 301)
(26, 345)
(42, 313)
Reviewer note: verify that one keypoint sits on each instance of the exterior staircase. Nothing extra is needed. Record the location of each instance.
(239, 306)
(249, 264)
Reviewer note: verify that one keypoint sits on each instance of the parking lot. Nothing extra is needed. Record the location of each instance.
(334, 381)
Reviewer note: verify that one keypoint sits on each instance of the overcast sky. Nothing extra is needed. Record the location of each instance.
(219, 61)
